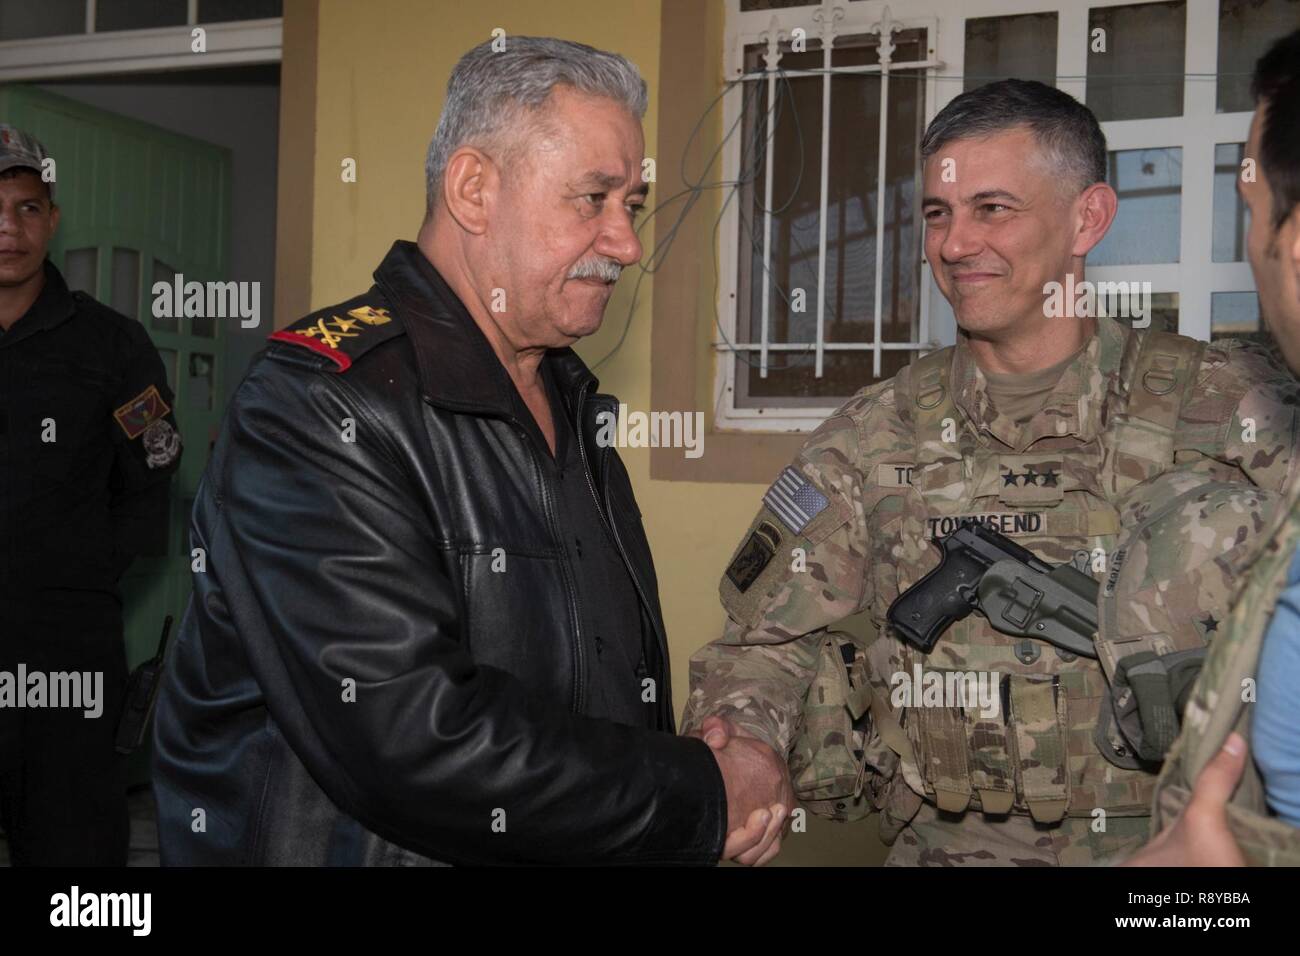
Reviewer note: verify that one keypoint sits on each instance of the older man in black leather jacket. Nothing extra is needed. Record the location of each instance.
(428, 626)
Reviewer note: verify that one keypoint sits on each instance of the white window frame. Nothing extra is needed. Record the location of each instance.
(65, 55)
(1195, 277)
(825, 21)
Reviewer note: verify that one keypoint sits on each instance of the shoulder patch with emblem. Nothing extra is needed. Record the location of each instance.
(162, 444)
(756, 554)
(135, 416)
(794, 500)
(342, 334)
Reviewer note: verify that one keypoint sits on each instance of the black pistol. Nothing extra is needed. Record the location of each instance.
(141, 692)
(982, 570)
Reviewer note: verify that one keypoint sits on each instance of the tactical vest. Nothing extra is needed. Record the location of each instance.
(1036, 755)
(1221, 702)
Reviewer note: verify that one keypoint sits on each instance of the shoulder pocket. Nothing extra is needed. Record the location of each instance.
(768, 557)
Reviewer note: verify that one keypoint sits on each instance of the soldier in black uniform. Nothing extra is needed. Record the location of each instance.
(87, 445)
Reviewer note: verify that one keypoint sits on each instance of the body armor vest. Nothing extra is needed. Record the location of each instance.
(1036, 755)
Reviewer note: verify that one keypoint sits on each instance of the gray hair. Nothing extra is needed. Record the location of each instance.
(1066, 130)
(490, 92)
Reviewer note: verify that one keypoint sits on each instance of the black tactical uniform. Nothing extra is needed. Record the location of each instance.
(87, 445)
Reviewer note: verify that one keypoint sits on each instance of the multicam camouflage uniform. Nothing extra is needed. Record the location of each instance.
(1185, 544)
(1222, 697)
(850, 525)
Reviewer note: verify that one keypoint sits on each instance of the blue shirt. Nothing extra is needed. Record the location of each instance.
(1275, 733)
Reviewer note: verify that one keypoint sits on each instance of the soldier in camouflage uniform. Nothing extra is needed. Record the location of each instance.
(1224, 697)
(851, 524)
(1240, 685)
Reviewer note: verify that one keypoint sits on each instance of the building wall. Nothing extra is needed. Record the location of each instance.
(379, 90)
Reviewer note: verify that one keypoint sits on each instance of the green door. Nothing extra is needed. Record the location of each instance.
(140, 204)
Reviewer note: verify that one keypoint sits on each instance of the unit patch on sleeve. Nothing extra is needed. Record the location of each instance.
(141, 412)
(161, 444)
(754, 556)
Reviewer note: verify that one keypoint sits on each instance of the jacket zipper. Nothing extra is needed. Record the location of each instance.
(660, 638)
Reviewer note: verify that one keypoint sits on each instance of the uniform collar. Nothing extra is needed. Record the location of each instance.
(1072, 409)
(53, 306)
(458, 368)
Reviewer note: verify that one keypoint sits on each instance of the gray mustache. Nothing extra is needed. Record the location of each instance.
(607, 270)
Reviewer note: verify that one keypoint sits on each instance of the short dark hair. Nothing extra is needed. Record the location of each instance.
(1065, 128)
(1276, 88)
(14, 171)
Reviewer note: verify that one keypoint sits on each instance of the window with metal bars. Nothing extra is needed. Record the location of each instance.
(798, 315)
(828, 236)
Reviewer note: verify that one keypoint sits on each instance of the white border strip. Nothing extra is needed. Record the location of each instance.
(136, 51)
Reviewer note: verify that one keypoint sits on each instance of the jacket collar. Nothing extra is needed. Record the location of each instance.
(458, 369)
(1073, 408)
(53, 306)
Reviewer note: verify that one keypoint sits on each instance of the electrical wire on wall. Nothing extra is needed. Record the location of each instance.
(757, 146)
(696, 189)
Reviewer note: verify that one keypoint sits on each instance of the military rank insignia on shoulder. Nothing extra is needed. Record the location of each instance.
(342, 336)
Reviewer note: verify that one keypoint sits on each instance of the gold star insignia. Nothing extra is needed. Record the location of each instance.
(370, 316)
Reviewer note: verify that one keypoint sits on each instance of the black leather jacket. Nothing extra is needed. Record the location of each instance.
(352, 683)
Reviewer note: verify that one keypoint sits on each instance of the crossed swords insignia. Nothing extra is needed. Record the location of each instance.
(343, 327)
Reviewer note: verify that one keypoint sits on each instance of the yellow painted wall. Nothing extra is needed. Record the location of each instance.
(382, 73)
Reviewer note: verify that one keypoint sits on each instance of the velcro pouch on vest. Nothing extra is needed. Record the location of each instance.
(1148, 694)
(1012, 758)
(830, 754)
(897, 800)
(940, 736)
(1119, 724)
(992, 773)
(1039, 719)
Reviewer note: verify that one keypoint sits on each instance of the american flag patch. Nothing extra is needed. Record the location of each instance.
(794, 500)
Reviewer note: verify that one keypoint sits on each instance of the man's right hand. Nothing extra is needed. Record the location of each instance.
(759, 795)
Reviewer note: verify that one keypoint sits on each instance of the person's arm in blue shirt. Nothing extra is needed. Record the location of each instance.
(1275, 733)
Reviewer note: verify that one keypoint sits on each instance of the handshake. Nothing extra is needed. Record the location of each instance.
(760, 797)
